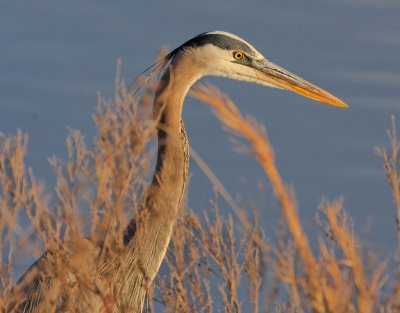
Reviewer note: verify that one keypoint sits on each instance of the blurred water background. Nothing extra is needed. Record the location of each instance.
(55, 56)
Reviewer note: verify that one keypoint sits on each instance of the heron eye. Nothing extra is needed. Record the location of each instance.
(238, 55)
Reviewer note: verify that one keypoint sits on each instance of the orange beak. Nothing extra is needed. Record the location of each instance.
(273, 75)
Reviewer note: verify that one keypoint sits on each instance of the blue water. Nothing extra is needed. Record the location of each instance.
(55, 56)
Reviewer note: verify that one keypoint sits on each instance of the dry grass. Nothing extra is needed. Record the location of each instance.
(214, 263)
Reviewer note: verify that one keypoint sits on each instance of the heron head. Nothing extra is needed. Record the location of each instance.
(224, 54)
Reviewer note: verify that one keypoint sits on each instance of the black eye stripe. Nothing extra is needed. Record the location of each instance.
(219, 40)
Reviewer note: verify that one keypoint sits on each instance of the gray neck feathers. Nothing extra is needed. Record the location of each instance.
(148, 236)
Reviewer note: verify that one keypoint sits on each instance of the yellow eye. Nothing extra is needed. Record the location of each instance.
(238, 55)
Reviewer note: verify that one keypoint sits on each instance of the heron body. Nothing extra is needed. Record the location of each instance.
(148, 235)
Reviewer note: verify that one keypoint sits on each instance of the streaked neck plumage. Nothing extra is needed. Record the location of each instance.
(149, 235)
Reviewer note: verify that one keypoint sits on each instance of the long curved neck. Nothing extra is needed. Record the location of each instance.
(168, 183)
(173, 150)
(149, 234)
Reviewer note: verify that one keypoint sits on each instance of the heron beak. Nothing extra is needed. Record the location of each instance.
(272, 74)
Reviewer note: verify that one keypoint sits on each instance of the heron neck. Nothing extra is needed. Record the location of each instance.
(148, 236)
(166, 190)
(173, 148)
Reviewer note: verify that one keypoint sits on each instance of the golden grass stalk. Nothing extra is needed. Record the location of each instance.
(391, 167)
(324, 279)
(230, 116)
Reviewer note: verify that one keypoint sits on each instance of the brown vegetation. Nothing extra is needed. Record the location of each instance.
(214, 263)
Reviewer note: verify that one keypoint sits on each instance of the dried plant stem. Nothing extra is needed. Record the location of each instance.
(232, 118)
(347, 243)
(227, 197)
(390, 165)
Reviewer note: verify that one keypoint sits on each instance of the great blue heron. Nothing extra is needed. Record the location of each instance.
(147, 237)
